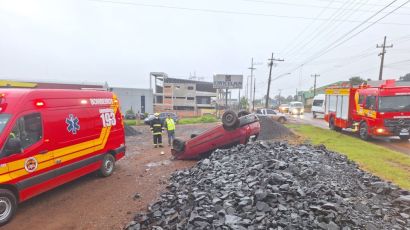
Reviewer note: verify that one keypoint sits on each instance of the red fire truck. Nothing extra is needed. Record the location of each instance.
(379, 108)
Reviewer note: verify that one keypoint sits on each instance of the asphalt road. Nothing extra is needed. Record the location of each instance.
(393, 143)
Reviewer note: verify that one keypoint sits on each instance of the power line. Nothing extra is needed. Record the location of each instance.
(337, 43)
(228, 11)
(316, 6)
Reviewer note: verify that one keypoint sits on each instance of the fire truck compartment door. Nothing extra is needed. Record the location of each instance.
(342, 108)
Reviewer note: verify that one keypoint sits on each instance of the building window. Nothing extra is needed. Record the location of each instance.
(179, 97)
(167, 86)
(168, 97)
(190, 88)
(190, 98)
(177, 86)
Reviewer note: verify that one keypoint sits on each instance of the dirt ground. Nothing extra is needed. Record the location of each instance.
(107, 203)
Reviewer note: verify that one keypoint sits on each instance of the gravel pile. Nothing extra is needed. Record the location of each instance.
(277, 186)
(271, 129)
(130, 131)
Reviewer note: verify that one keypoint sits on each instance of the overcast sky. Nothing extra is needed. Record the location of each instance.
(120, 42)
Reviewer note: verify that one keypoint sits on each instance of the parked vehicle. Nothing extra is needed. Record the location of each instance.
(162, 117)
(50, 137)
(149, 118)
(318, 105)
(231, 132)
(296, 108)
(130, 116)
(279, 117)
(379, 108)
(284, 108)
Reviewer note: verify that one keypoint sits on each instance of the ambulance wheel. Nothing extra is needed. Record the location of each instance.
(107, 166)
(364, 131)
(8, 206)
(230, 120)
(404, 138)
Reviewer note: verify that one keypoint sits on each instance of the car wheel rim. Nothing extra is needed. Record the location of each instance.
(5, 208)
(109, 165)
(229, 118)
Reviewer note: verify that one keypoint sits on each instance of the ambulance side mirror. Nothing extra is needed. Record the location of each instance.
(13, 146)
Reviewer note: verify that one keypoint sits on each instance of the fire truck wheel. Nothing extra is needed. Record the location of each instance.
(404, 138)
(178, 145)
(8, 206)
(230, 120)
(108, 165)
(363, 132)
(332, 125)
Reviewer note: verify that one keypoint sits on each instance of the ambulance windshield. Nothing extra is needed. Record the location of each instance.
(4, 118)
(394, 104)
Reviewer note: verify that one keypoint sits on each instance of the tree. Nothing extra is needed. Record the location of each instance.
(289, 98)
(356, 80)
(130, 111)
(405, 77)
(244, 103)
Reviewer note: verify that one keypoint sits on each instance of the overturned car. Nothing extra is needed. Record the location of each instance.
(235, 129)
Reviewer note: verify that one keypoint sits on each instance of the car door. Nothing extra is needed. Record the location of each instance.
(26, 151)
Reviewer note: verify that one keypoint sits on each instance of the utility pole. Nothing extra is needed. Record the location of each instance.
(250, 94)
(269, 79)
(382, 54)
(280, 102)
(254, 89)
(314, 86)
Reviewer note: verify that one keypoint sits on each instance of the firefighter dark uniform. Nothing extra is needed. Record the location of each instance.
(156, 129)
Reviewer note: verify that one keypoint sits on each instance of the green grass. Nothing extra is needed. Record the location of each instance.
(385, 163)
(133, 122)
(196, 120)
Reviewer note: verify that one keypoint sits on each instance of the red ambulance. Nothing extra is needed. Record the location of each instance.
(50, 137)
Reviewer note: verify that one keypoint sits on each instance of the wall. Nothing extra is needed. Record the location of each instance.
(131, 97)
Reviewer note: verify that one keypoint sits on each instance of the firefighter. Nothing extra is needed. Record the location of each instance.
(157, 129)
(170, 127)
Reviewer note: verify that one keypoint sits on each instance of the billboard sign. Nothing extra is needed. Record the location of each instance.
(228, 81)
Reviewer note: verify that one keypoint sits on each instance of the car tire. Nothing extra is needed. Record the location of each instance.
(243, 113)
(282, 120)
(107, 166)
(8, 204)
(364, 132)
(230, 120)
(178, 145)
(193, 135)
(404, 138)
(314, 115)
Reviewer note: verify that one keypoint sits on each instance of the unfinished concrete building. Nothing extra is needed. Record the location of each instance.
(186, 98)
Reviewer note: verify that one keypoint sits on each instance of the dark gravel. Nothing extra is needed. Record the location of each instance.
(131, 131)
(271, 129)
(277, 186)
